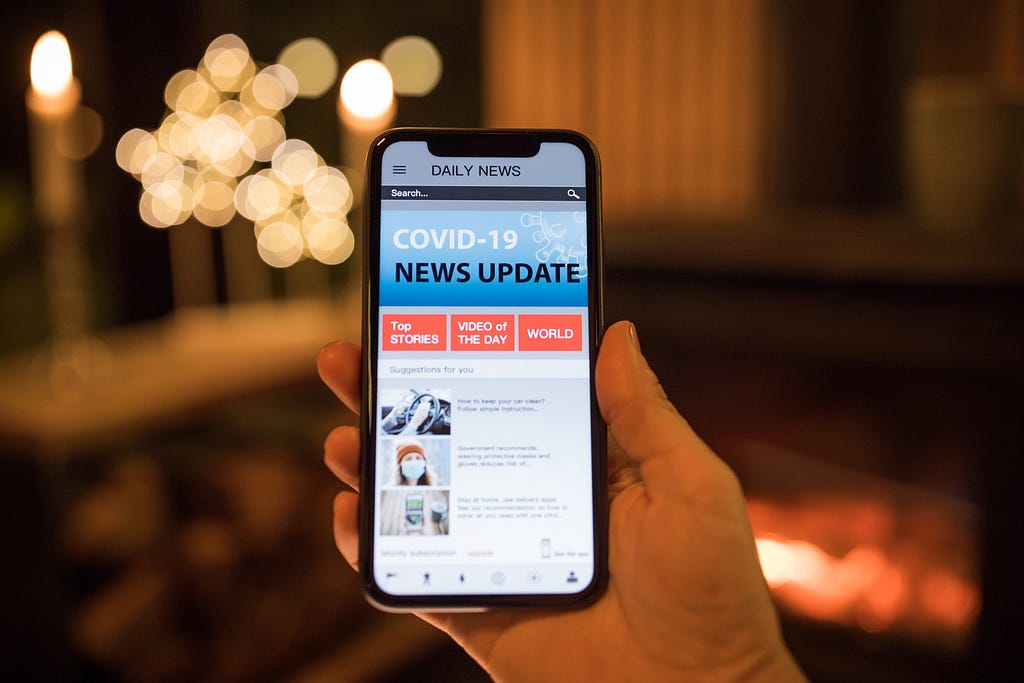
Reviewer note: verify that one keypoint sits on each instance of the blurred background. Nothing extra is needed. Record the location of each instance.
(813, 214)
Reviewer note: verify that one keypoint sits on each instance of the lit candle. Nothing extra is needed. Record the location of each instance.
(366, 106)
(58, 184)
(58, 195)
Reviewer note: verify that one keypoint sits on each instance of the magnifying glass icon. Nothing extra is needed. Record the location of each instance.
(572, 193)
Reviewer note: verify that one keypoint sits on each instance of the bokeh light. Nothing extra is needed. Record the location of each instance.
(166, 203)
(189, 92)
(133, 149)
(414, 63)
(266, 134)
(330, 241)
(261, 196)
(274, 87)
(327, 192)
(227, 63)
(146, 212)
(367, 90)
(79, 134)
(214, 199)
(313, 63)
(220, 138)
(280, 244)
(225, 118)
(294, 161)
(223, 143)
(179, 135)
(50, 68)
(160, 167)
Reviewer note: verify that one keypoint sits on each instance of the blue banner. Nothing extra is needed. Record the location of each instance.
(483, 258)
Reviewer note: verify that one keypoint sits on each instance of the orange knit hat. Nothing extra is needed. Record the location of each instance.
(403, 448)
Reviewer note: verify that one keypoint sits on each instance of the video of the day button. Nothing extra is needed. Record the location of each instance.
(483, 333)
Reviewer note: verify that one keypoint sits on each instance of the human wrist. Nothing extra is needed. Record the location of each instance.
(776, 665)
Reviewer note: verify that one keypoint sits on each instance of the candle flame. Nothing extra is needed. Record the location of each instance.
(367, 89)
(51, 64)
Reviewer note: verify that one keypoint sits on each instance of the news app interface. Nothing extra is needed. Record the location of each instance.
(483, 444)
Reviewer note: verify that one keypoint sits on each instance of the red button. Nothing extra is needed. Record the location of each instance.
(550, 333)
(483, 333)
(420, 332)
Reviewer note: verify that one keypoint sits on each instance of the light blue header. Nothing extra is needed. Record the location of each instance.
(483, 258)
(410, 162)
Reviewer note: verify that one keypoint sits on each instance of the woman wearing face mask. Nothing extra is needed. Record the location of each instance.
(411, 462)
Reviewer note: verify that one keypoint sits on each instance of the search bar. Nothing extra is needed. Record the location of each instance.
(483, 193)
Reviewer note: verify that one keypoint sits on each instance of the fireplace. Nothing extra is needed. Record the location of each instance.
(870, 421)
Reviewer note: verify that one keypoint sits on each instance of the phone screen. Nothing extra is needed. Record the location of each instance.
(483, 441)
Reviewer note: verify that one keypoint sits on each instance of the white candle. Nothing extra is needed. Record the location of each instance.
(58, 191)
(366, 106)
(58, 183)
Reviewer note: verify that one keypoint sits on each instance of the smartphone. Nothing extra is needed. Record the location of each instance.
(482, 290)
(413, 513)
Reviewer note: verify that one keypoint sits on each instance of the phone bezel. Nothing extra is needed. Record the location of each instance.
(483, 143)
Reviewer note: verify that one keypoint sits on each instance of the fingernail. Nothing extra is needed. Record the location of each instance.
(634, 339)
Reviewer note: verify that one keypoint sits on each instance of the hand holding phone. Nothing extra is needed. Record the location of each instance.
(687, 599)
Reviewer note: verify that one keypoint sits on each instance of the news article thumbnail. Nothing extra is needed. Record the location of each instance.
(414, 461)
(416, 412)
(414, 512)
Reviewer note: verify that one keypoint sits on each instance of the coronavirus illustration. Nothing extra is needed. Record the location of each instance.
(562, 236)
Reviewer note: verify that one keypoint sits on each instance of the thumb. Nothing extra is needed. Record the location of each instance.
(672, 458)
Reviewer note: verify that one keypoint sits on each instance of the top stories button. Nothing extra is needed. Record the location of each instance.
(483, 333)
(414, 332)
(550, 333)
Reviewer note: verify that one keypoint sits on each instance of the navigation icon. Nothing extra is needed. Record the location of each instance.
(572, 578)
(398, 169)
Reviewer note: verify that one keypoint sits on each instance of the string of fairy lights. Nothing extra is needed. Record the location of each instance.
(221, 149)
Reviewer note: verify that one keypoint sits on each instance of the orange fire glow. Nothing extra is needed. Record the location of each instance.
(877, 585)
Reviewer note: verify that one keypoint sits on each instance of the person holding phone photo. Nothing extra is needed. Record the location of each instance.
(414, 512)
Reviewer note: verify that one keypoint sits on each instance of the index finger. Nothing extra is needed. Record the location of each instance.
(339, 365)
